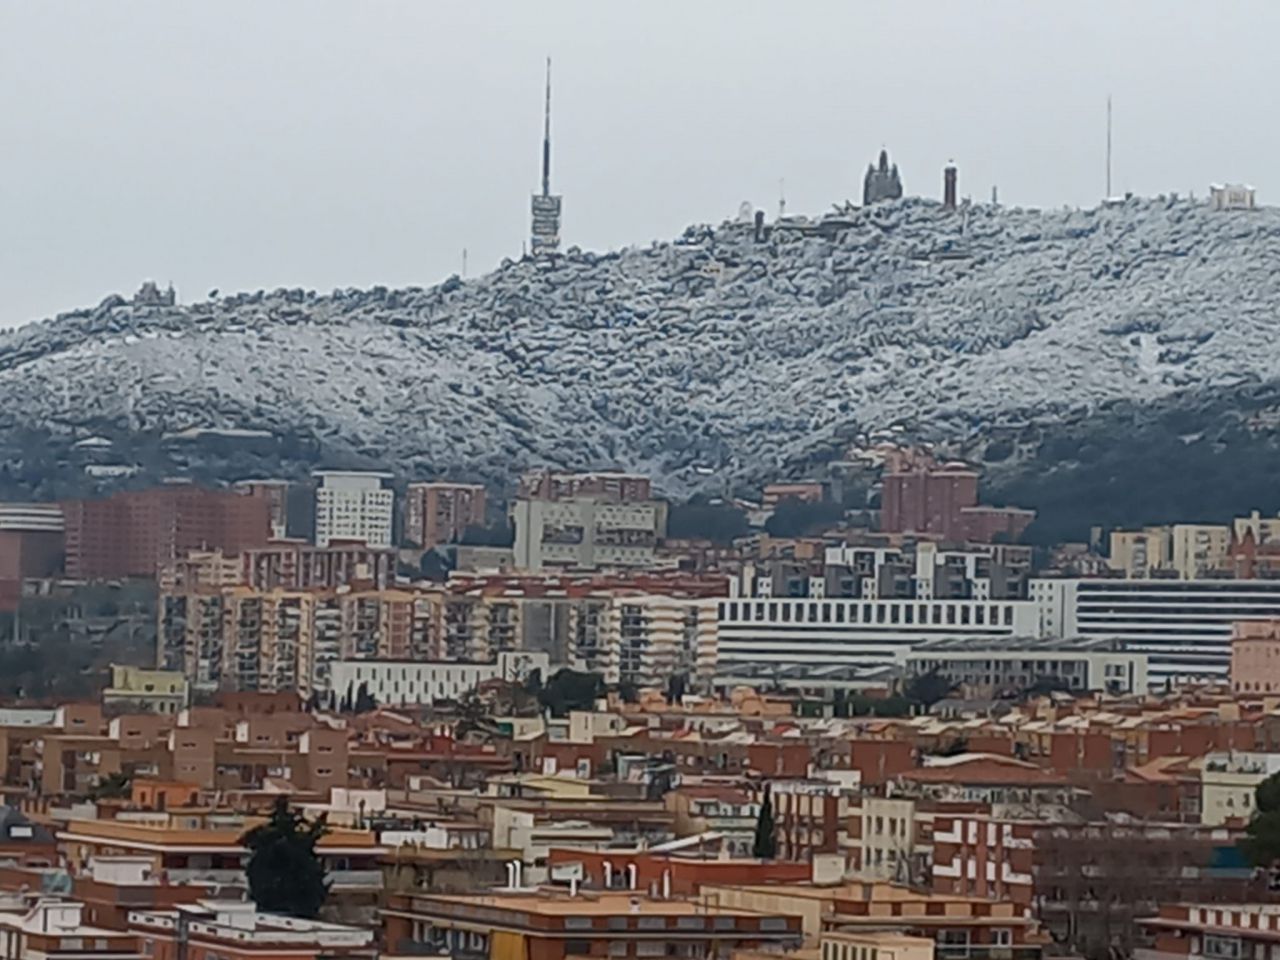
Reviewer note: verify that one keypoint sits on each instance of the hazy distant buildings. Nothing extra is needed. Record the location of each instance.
(436, 513)
(353, 506)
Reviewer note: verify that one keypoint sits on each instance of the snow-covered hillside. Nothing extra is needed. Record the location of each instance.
(714, 354)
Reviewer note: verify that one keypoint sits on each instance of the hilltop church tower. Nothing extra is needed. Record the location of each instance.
(881, 182)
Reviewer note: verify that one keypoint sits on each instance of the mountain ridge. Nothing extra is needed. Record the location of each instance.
(718, 356)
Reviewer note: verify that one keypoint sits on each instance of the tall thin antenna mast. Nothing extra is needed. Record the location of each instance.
(546, 138)
(1108, 196)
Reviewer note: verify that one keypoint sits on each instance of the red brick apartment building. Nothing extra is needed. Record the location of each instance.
(436, 513)
(943, 502)
(1199, 932)
(134, 533)
(1064, 871)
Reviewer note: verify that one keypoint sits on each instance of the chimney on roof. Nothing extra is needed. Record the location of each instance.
(949, 186)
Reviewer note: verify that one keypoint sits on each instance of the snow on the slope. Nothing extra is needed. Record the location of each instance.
(712, 351)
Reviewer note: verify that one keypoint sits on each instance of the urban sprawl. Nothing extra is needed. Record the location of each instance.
(844, 720)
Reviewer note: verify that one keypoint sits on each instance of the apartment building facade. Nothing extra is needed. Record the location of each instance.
(413, 683)
(845, 632)
(1184, 626)
(437, 513)
(587, 533)
(136, 533)
(355, 507)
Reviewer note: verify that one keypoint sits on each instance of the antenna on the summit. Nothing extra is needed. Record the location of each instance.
(545, 208)
(782, 198)
(546, 138)
(1108, 195)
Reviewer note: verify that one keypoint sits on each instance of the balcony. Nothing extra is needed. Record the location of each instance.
(988, 951)
(207, 875)
(355, 879)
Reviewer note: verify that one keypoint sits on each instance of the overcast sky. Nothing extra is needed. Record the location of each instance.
(245, 144)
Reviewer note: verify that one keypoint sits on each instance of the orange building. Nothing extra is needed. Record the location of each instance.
(1255, 656)
(545, 925)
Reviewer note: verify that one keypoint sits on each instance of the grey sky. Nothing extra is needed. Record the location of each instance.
(242, 144)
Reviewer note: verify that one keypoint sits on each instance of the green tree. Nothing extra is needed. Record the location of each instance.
(569, 690)
(796, 518)
(927, 689)
(1261, 842)
(765, 846)
(114, 786)
(365, 701)
(700, 519)
(285, 874)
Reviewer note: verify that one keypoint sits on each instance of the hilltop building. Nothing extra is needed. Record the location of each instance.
(881, 182)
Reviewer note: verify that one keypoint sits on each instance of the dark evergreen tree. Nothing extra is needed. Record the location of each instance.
(365, 701)
(765, 846)
(1261, 843)
(285, 874)
(927, 689)
(675, 688)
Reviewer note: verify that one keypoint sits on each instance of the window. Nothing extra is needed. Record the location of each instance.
(1001, 936)
(1224, 948)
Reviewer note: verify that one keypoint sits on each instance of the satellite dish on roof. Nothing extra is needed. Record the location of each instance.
(745, 212)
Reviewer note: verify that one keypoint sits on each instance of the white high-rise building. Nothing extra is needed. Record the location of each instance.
(355, 506)
(1184, 626)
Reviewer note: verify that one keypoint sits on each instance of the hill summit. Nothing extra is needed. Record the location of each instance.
(1011, 336)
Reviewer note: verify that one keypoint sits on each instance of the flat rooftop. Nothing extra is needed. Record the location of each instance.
(1044, 645)
(586, 903)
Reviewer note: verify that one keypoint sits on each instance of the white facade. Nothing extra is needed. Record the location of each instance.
(32, 517)
(587, 533)
(1183, 625)
(401, 682)
(1231, 196)
(1017, 666)
(354, 506)
(644, 638)
(843, 632)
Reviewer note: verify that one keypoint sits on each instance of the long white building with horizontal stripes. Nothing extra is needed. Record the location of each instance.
(855, 632)
(1183, 625)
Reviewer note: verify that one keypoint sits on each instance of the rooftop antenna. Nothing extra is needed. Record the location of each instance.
(464, 263)
(1108, 146)
(782, 198)
(546, 138)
